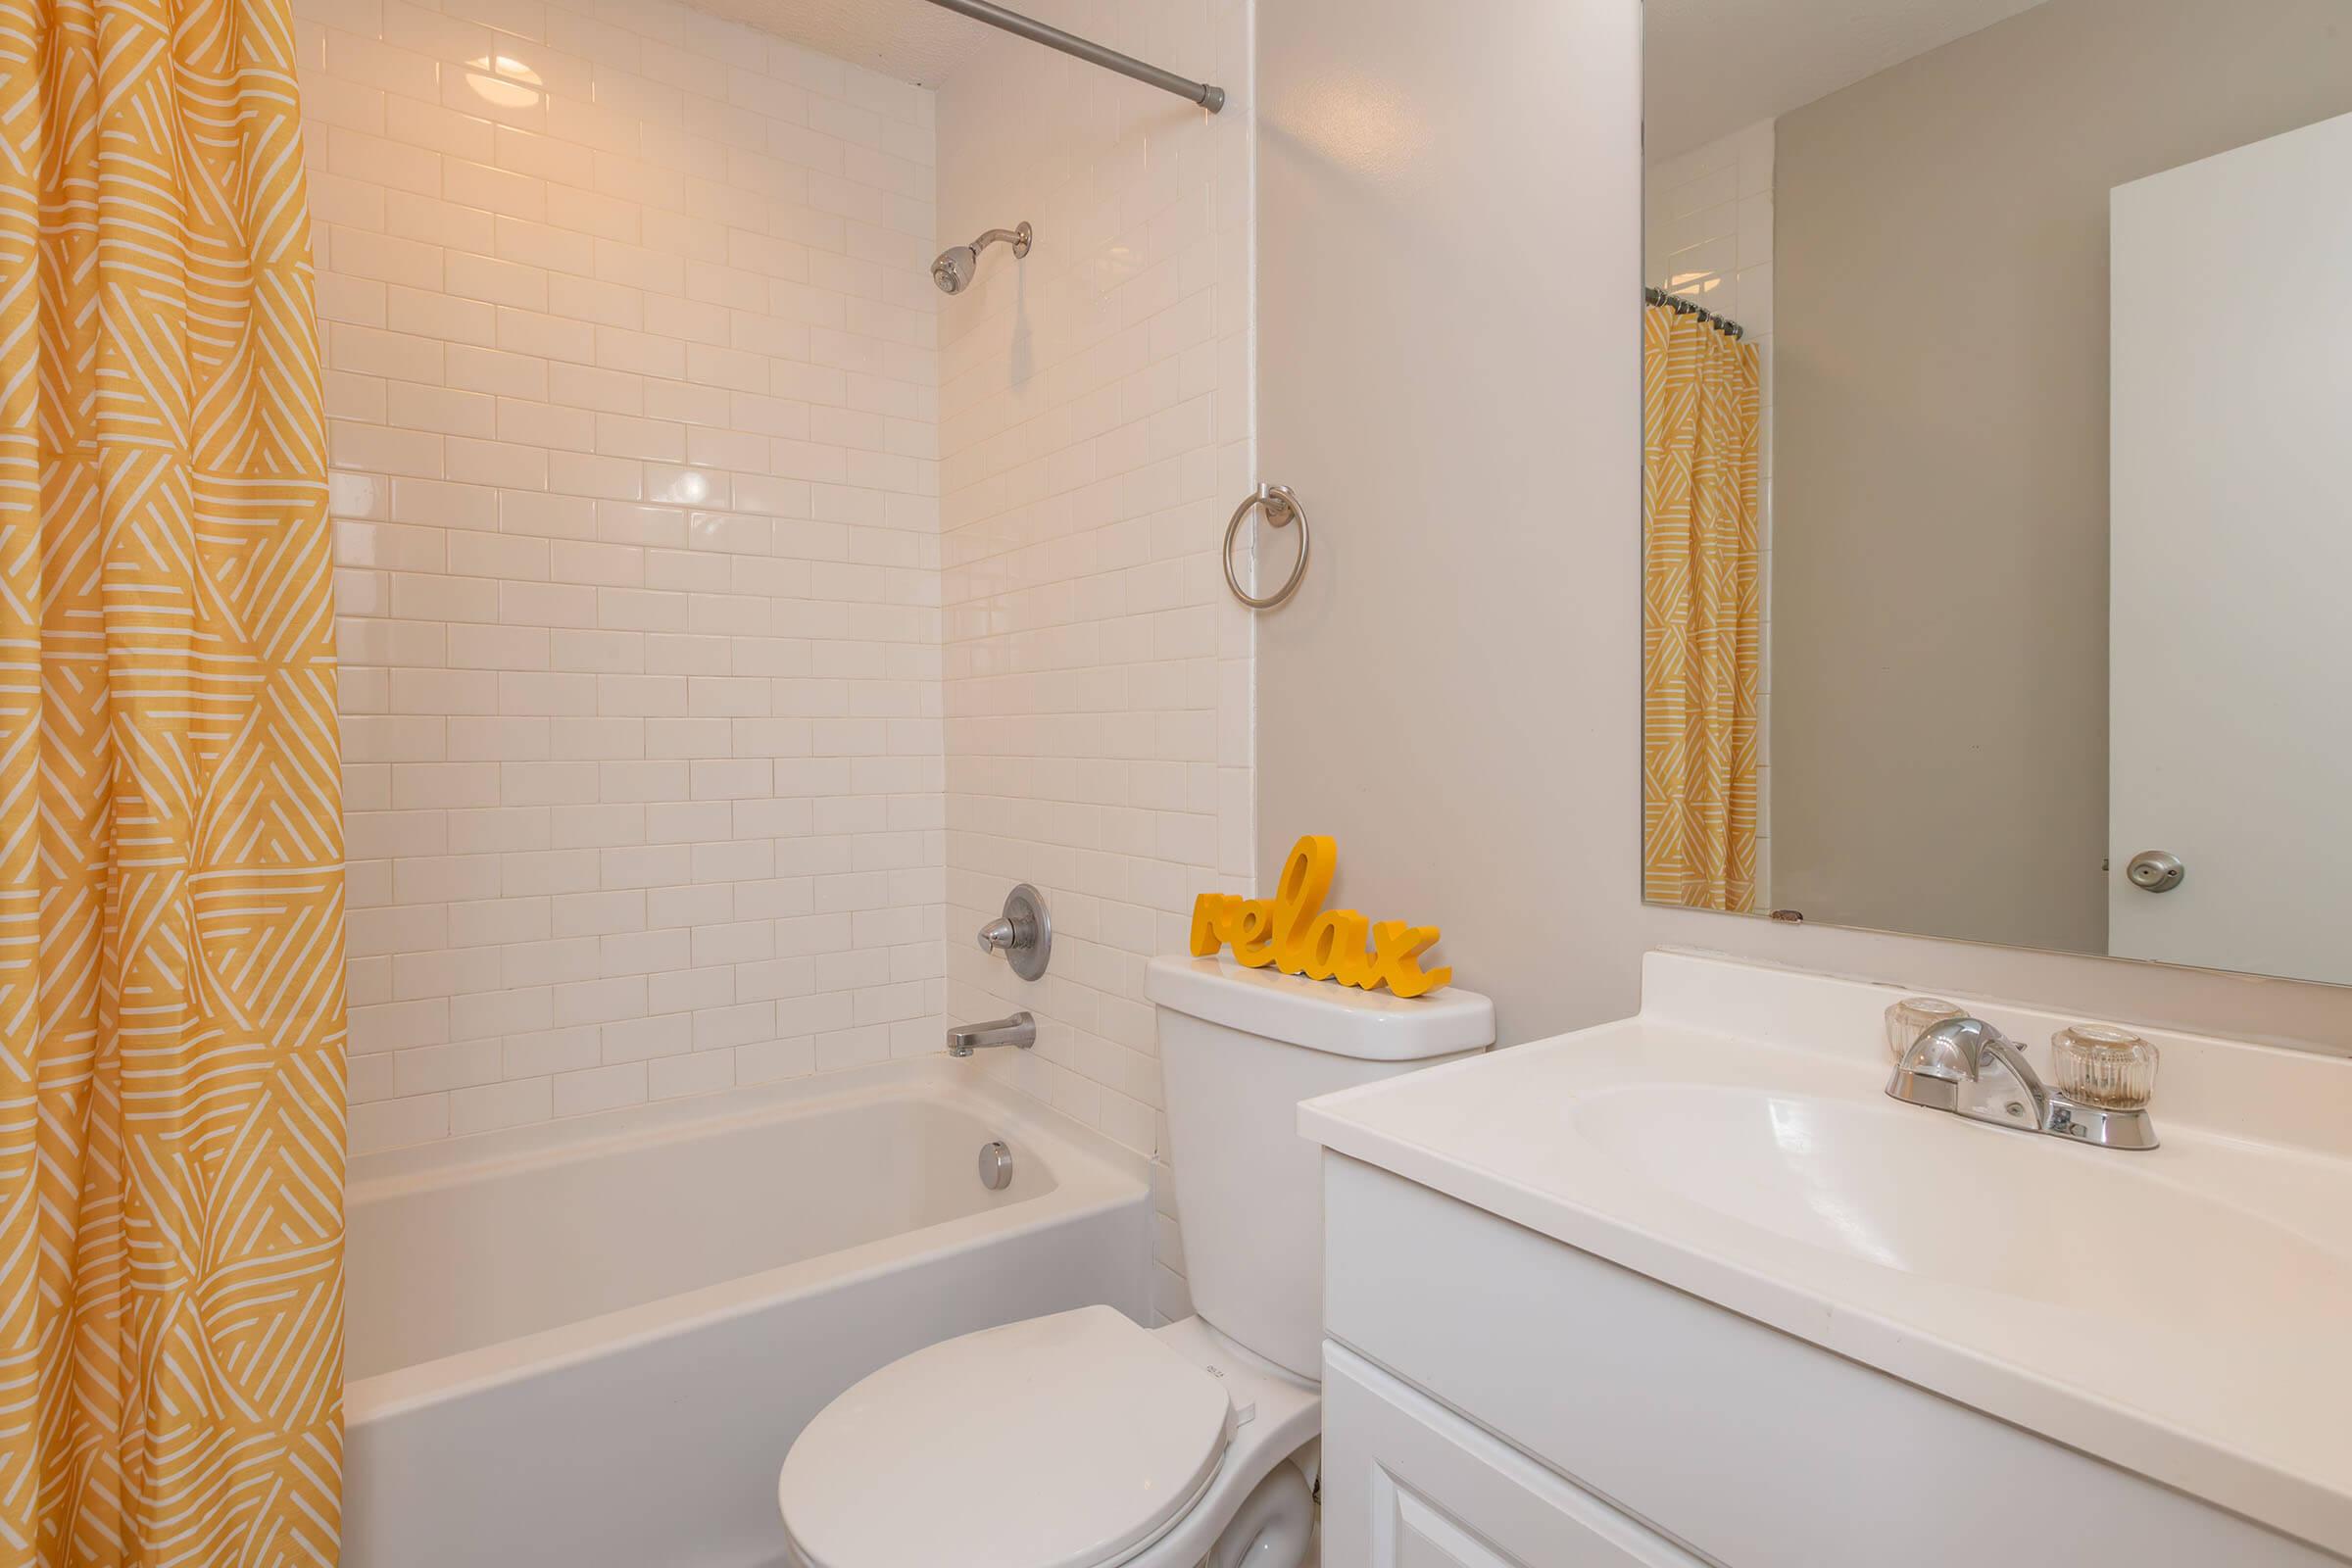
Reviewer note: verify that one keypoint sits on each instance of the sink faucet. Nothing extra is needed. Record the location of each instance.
(1969, 1068)
(1018, 1030)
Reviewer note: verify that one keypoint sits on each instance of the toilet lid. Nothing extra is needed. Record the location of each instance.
(1066, 1442)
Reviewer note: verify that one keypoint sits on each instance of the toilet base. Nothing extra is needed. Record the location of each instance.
(1274, 1527)
(1259, 1500)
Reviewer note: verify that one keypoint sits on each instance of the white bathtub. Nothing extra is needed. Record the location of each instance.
(590, 1345)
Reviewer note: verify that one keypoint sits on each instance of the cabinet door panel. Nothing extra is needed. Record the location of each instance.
(1406, 1483)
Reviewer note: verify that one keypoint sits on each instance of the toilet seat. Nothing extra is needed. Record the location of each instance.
(1073, 1440)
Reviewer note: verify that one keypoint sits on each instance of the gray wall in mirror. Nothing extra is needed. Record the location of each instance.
(1938, 574)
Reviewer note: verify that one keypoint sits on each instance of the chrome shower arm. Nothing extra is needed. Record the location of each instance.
(1017, 238)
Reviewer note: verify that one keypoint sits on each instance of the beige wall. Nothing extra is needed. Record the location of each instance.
(1449, 215)
(1939, 584)
(1449, 241)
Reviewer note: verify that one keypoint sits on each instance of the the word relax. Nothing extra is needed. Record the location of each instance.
(1295, 934)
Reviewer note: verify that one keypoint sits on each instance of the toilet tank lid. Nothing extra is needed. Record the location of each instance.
(1321, 1015)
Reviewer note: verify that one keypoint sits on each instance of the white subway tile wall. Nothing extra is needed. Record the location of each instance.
(665, 772)
(631, 369)
(1707, 236)
(1096, 430)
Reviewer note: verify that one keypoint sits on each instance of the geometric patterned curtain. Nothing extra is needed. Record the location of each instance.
(171, 1010)
(1701, 612)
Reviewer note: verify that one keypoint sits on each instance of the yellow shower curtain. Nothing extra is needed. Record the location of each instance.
(1701, 612)
(171, 1024)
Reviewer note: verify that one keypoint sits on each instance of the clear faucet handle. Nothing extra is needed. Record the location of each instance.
(1913, 1016)
(2111, 1068)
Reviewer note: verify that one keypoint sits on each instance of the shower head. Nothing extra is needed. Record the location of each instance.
(954, 267)
(957, 264)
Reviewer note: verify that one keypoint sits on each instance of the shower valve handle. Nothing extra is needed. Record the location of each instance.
(1024, 933)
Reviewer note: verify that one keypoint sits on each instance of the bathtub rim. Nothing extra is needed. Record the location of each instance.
(1091, 1175)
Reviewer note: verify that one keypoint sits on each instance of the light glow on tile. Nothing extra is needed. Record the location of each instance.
(503, 80)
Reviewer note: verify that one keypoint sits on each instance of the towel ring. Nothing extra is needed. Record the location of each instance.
(1281, 506)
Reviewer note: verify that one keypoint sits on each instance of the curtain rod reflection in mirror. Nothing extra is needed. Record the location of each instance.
(1721, 323)
(1207, 95)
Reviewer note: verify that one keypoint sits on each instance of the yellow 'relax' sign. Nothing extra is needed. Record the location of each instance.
(1295, 934)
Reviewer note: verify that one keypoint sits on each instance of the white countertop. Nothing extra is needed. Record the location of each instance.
(2184, 1313)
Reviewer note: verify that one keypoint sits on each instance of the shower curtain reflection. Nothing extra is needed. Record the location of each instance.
(1701, 612)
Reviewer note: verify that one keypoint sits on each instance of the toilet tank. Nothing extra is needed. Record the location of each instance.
(1238, 1048)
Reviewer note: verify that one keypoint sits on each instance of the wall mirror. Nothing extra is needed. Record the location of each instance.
(1998, 527)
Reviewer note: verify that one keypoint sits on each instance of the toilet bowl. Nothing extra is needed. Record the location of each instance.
(1080, 1439)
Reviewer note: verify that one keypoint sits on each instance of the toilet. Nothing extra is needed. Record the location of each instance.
(1080, 1439)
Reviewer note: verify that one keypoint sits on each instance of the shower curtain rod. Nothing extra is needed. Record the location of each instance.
(1721, 323)
(1206, 94)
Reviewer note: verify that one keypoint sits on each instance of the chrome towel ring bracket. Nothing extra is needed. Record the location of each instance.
(1281, 507)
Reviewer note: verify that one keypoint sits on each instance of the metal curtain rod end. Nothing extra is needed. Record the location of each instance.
(1208, 94)
(1682, 306)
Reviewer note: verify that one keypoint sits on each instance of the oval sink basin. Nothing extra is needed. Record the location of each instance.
(1927, 1194)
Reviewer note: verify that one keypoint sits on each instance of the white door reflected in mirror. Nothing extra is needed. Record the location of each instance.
(2232, 549)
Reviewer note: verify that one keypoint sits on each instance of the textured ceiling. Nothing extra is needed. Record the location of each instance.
(908, 40)
(1715, 66)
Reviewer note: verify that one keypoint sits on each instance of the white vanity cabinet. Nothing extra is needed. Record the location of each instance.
(1495, 1397)
(1694, 1287)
